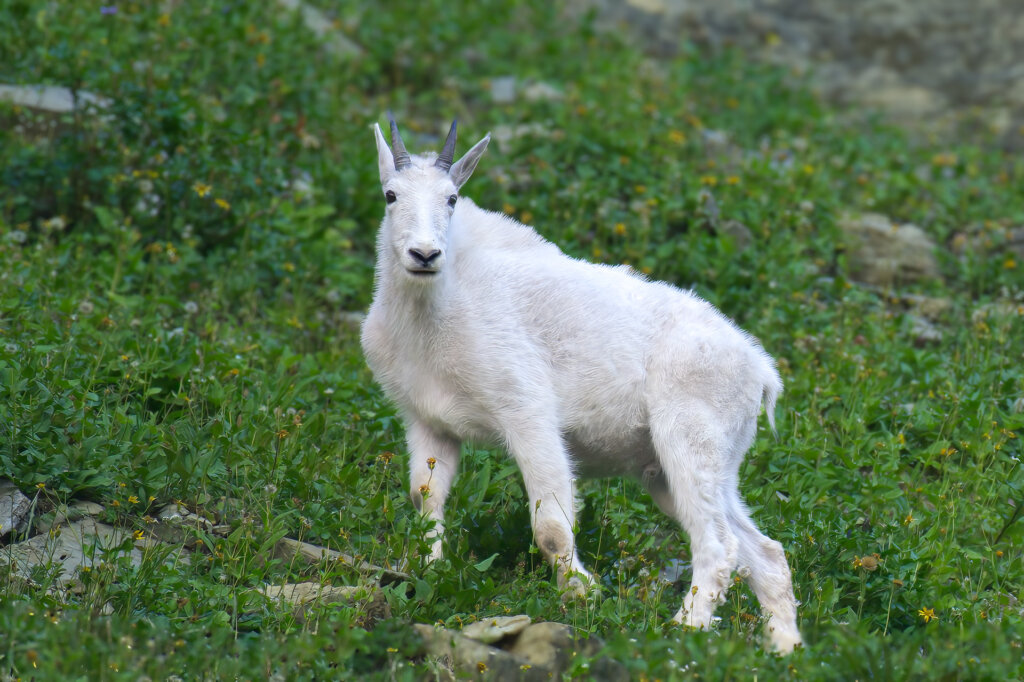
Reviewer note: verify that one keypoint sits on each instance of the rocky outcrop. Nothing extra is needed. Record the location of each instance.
(933, 63)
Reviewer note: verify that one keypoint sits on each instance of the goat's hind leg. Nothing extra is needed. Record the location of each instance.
(433, 463)
(692, 460)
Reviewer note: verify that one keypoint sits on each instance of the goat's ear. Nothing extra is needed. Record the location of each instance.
(464, 167)
(385, 159)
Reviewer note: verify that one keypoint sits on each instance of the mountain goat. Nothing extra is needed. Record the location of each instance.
(481, 330)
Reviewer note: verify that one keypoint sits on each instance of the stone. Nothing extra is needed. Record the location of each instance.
(503, 89)
(924, 332)
(545, 644)
(66, 513)
(464, 656)
(740, 233)
(288, 549)
(14, 507)
(304, 596)
(491, 630)
(932, 65)
(322, 27)
(522, 651)
(929, 307)
(50, 98)
(67, 549)
(883, 253)
(539, 91)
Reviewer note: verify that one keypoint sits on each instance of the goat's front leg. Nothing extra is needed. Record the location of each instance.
(547, 475)
(433, 463)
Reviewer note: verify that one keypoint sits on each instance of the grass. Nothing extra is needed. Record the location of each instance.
(175, 276)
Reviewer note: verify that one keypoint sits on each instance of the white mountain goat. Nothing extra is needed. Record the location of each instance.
(480, 330)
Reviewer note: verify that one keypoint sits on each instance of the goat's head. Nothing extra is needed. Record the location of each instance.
(420, 199)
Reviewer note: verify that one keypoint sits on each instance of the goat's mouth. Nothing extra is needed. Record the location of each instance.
(422, 272)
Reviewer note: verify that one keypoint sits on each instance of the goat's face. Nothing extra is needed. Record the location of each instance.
(420, 199)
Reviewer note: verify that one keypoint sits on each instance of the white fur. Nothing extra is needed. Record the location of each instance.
(577, 370)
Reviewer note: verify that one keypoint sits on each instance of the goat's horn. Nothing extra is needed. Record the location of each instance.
(444, 161)
(398, 148)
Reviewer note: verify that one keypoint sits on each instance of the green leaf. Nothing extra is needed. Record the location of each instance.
(482, 566)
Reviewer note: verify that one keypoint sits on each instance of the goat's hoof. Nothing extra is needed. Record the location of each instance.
(577, 585)
(683, 618)
(783, 640)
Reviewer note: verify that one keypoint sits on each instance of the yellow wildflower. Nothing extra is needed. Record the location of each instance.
(202, 189)
(927, 614)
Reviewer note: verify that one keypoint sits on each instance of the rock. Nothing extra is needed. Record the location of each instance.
(924, 332)
(14, 507)
(503, 89)
(882, 253)
(65, 513)
(465, 656)
(491, 630)
(928, 307)
(288, 549)
(739, 232)
(996, 310)
(929, 64)
(503, 134)
(178, 525)
(539, 91)
(1015, 241)
(50, 98)
(304, 596)
(322, 27)
(549, 645)
(64, 550)
(538, 651)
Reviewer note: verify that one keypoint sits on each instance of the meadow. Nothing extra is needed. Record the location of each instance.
(181, 270)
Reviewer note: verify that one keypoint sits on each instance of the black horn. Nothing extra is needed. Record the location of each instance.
(398, 148)
(444, 161)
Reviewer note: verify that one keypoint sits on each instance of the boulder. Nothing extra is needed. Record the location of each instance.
(883, 253)
(14, 507)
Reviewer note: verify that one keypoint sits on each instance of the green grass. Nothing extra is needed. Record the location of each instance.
(159, 345)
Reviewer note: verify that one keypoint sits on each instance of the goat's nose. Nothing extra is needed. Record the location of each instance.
(424, 259)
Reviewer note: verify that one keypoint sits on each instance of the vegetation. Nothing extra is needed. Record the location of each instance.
(175, 271)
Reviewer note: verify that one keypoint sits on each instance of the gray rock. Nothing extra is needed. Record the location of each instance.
(538, 651)
(539, 91)
(935, 64)
(305, 596)
(14, 507)
(322, 27)
(503, 89)
(928, 307)
(924, 332)
(67, 549)
(882, 253)
(288, 549)
(491, 630)
(66, 513)
(52, 98)
(739, 232)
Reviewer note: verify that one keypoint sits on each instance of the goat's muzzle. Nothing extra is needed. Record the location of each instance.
(424, 262)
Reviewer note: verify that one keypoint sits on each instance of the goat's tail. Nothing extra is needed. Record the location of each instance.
(771, 384)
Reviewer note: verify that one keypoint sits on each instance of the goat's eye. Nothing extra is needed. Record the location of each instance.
(390, 197)
(452, 199)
